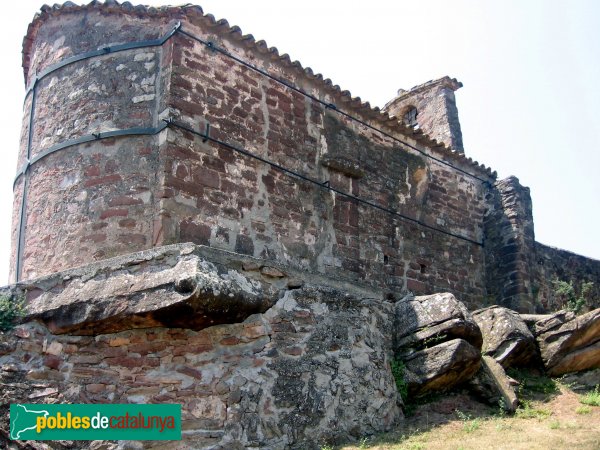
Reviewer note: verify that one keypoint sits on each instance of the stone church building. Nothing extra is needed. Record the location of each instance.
(147, 130)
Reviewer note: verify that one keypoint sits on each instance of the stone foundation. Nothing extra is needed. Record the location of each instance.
(311, 368)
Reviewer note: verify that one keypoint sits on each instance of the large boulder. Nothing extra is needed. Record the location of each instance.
(426, 320)
(569, 343)
(506, 337)
(438, 341)
(440, 367)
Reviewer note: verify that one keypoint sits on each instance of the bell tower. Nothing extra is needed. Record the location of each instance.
(431, 107)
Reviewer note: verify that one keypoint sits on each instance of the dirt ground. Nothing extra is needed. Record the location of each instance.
(548, 420)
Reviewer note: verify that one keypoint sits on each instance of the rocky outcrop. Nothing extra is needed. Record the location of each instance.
(441, 367)
(438, 341)
(424, 320)
(569, 343)
(493, 385)
(182, 285)
(310, 369)
(506, 337)
(172, 286)
(582, 381)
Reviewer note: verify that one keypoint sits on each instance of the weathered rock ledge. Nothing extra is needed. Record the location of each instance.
(181, 285)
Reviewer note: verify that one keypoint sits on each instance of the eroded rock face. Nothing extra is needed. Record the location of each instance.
(438, 341)
(425, 320)
(506, 337)
(569, 343)
(582, 381)
(173, 286)
(441, 367)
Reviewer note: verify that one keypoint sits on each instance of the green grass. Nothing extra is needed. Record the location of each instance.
(527, 411)
(533, 386)
(591, 398)
(469, 423)
(584, 409)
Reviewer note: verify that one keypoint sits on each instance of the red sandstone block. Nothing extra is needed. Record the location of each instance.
(216, 94)
(99, 225)
(207, 177)
(220, 77)
(52, 361)
(111, 166)
(416, 286)
(353, 215)
(283, 327)
(211, 162)
(227, 155)
(193, 232)
(208, 207)
(189, 371)
(108, 179)
(303, 313)
(124, 200)
(184, 84)
(195, 65)
(127, 223)
(130, 362)
(144, 348)
(232, 187)
(193, 189)
(115, 212)
(239, 112)
(200, 338)
(194, 349)
(254, 331)
(95, 373)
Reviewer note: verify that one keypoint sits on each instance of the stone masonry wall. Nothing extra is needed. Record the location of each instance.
(115, 196)
(219, 198)
(556, 264)
(311, 370)
(95, 200)
(510, 252)
(521, 272)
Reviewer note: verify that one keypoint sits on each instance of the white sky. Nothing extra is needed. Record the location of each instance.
(529, 105)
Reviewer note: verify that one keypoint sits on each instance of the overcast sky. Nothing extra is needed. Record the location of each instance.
(529, 105)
